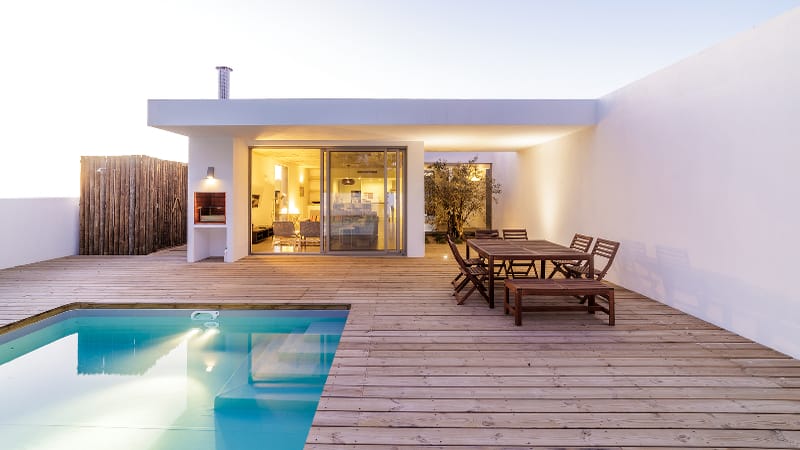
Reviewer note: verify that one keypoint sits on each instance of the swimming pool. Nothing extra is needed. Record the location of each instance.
(166, 379)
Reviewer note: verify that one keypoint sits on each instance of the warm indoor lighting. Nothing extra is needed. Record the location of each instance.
(210, 173)
(278, 173)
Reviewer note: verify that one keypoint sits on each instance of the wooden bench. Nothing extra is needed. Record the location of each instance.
(570, 287)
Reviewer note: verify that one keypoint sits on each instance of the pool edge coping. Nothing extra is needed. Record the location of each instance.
(189, 305)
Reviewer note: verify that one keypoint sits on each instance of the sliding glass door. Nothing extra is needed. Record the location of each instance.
(365, 210)
(327, 200)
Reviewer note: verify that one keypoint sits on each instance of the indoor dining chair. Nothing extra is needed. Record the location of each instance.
(283, 233)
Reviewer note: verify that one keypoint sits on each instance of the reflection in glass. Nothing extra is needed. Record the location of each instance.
(357, 200)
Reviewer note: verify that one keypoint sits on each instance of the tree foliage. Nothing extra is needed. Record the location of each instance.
(455, 192)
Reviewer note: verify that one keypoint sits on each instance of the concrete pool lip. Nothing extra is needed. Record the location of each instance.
(166, 306)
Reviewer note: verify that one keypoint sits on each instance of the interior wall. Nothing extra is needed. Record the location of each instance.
(693, 169)
(38, 229)
(263, 185)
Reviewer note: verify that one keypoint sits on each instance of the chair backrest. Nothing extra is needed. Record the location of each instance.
(581, 242)
(283, 228)
(456, 254)
(607, 250)
(487, 234)
(309, 228)
(518, 234)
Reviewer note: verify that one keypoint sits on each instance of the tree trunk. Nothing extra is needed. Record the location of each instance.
(453, 229)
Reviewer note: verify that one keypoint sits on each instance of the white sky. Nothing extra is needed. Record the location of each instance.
(77, 74)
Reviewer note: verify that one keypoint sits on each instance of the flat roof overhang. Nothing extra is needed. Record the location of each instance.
(443, 125)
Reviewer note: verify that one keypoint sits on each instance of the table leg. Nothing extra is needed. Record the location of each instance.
(611, 308)
(541, 272)
(491, 281)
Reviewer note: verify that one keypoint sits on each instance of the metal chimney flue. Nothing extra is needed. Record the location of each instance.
(224, 81)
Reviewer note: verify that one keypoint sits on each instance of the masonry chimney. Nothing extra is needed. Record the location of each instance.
(224, 81)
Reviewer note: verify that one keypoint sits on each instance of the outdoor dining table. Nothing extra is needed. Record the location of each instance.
(533, 250)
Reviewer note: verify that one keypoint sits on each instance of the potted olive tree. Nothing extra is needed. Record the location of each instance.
(456, 192)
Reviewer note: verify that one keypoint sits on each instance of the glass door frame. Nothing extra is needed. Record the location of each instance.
(398, 228)
(399, 224)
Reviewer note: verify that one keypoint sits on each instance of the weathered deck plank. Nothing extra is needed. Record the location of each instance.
(414, 370)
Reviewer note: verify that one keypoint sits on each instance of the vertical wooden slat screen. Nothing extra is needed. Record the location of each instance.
(131, 205)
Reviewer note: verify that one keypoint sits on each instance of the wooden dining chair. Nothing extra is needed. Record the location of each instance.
(604, 249)
(580, 242)
(490, 234)
(510, 234)
(487, 234)
(469, 262)
(474, 276)
(518, 269)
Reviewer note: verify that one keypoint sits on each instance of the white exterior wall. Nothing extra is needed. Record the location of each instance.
(415, 199)
(239, 234)
(508, 212)
(37, 229)
(205, 240)
(694, 170)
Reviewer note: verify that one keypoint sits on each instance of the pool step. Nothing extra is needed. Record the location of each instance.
(283, 396)
(285, 370)
(300, 354)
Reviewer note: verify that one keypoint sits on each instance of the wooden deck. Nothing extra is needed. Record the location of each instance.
(414, 370)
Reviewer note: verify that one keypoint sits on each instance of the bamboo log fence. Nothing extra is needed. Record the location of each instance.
(131, 205)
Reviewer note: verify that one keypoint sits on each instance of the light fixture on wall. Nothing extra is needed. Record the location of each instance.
(210, 173)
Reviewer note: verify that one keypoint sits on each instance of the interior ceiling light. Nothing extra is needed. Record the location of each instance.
(348, 181)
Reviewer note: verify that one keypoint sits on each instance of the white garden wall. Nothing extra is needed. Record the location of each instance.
(695, 170)
(37, 229)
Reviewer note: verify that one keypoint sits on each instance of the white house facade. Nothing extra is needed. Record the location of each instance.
(352, 166)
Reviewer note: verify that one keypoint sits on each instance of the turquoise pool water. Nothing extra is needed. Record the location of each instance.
(162, 379)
